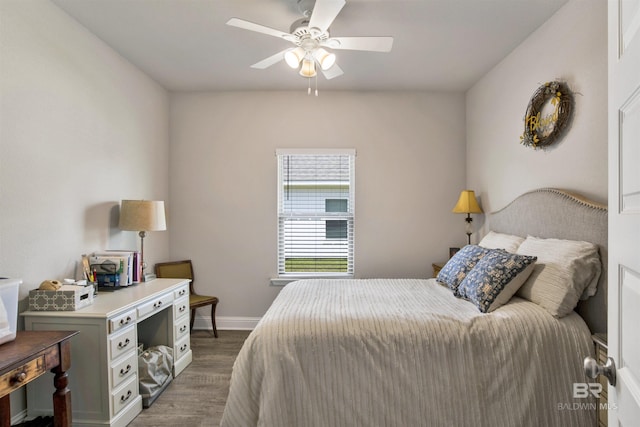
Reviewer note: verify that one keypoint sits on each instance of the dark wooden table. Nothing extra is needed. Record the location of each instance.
(27, 357)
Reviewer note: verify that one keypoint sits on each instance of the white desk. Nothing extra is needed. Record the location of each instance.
(104, 383)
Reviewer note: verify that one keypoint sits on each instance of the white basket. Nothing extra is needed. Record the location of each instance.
(9, 293)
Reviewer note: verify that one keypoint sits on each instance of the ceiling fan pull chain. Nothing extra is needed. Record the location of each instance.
(316, 85)
(309, 89)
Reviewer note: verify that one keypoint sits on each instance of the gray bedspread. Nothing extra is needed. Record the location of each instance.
(406, 352)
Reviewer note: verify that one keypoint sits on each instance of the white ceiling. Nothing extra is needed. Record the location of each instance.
(438, 44)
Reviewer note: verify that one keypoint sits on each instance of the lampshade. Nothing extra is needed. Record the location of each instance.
(324, 58)
(142, 215)
(294, 56)
(467, 203)
(308, 68)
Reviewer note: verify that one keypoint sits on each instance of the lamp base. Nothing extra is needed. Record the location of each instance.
(469, 228)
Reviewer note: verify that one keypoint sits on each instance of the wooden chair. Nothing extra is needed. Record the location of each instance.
(184, 270)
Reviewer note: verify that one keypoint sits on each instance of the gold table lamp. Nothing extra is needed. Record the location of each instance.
(468, 204)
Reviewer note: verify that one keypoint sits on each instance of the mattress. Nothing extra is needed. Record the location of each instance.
(406, 352)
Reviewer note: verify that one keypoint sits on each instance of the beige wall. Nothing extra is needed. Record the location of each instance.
(571, 46)
(80, 129)
(409, 172)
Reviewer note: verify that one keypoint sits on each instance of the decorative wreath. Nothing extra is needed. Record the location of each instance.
(542, 131)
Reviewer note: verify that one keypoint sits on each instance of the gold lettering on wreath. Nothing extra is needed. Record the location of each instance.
(542, 130)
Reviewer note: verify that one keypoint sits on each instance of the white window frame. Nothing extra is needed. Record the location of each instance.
(285, 277)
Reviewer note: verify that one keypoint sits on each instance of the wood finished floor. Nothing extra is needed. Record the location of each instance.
(198, 395)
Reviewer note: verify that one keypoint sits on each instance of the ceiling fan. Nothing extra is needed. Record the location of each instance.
(311, 39)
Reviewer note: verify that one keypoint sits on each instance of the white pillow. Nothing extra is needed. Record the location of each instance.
(508, 242)
(564, 271)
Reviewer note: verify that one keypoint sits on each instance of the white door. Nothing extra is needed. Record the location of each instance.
(624, 210)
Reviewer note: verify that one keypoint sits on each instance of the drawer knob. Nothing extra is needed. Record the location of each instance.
(183, 328)
(125, 371)
(182, 309)
(122, 345)
(125, 321)
(157, 304)
(21, 377)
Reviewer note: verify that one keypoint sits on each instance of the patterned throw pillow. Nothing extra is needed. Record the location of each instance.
(495, 279)
(456, 269)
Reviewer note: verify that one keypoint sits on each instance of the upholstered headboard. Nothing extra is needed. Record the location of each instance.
(553, 213)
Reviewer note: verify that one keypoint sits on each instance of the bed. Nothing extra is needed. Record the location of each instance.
(409, 352)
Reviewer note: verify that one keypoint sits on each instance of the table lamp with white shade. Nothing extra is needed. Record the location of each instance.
(142, 216)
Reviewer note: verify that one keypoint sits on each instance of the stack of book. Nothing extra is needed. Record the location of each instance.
(115, 268)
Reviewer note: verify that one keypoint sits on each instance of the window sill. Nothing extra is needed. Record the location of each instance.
(282, 281)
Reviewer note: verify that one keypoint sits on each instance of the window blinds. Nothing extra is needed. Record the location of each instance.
(315, 212)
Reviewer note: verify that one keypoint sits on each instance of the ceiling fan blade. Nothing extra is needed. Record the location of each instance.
(373, 44)
(268, 62)
(324, 12)
(332, 72)
(246, 25)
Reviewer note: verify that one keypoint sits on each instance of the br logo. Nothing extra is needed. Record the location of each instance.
(582, 390)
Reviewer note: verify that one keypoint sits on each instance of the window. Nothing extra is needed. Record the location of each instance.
(315, 212)
(336, 228)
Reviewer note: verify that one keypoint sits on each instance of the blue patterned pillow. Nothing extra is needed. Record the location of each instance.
(455, 270)
(495, 279)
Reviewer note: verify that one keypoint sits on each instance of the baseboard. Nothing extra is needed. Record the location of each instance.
(19, 417)
(227, 323)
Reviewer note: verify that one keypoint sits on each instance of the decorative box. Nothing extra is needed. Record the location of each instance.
(67, 298)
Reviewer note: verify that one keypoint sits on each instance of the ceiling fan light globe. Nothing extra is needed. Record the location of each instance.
(324, 58)
(294, 56)
(308, 68)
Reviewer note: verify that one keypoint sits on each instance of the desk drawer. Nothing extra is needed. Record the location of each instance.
(181, 292)
(157, 304)
(181, 347)
(122, 370)
(122, 321)
(181, 328)
(16, 378)
(122, 343)
(124, 395)
(181, 308)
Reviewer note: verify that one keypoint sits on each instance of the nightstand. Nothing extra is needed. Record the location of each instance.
(437, 266)
(600, 342)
